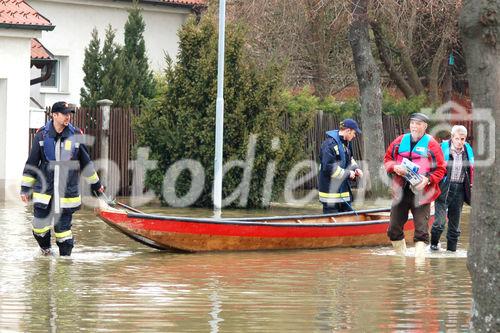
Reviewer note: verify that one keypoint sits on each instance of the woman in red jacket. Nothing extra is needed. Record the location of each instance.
(421, 149)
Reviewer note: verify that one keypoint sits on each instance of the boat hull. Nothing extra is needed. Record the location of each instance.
(305, 232)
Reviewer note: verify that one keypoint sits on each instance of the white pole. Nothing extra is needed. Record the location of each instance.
(219, 117)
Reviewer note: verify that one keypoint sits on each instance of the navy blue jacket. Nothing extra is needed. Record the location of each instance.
(54, 165)
(335, 163)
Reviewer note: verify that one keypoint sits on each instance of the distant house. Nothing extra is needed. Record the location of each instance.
(19, 24)
(74, 21)
(56, 59)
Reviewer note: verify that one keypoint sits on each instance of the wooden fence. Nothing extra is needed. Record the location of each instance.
(122, 138)
(392, 127)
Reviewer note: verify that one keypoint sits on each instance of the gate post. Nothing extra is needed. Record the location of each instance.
(105, 107)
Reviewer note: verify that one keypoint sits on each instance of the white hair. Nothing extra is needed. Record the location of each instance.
(458, 129)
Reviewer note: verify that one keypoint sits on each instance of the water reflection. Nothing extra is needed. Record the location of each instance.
(114, 284)
(216, 307)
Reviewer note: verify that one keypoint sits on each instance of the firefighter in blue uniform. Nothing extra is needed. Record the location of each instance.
(51, 177)
(337, 166)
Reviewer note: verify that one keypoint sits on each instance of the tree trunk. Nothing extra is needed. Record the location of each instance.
(386, 59)
(319, 49)
(410, 69)
(479, 23)
(370, 95)
(437, 61)
(447, 84)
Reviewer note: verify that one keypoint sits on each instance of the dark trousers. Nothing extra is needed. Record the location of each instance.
(62, 222)
(330, 208)
(449, 205)
(399, 217)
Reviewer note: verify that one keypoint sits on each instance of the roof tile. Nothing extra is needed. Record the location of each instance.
(38, 51)
(185, 2)
(19, 13)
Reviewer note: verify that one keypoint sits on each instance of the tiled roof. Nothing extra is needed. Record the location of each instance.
(186, 2)
(182, 2)
(18, 14)
(38, 51)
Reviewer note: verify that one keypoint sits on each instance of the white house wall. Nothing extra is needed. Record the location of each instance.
(74, 22)
(15, 52)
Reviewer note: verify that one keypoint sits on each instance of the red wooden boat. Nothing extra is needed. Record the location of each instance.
(187, 234)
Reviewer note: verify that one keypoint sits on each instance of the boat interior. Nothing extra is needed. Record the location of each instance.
(315, 219)
(347, 217)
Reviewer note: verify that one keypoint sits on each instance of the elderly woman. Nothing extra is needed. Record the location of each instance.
(455, 188)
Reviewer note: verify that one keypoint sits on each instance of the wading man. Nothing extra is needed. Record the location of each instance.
(421, 149)
(337, 166)
(456, 188)
(51, 176)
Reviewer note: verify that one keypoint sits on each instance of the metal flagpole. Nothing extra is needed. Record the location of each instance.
(219, 117)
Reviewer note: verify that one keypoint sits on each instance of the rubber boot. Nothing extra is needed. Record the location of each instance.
(43, 241)
(399, 247)
(451, 246)
(434, 241)
(65, 247)
(420, 249)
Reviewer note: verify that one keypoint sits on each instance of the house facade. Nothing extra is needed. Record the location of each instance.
(62, 29)
(19, 24)
(74, 21)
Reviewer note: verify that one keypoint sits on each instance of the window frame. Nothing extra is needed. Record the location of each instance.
(61, 72)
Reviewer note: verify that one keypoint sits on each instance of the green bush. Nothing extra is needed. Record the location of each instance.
(304, 100)
(403, 107)
(352, 108)
(300, 109)
(181, 125)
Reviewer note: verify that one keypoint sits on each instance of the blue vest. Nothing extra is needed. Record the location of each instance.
(445, 183)
(420, 153)
(49, 144)
(421, 148)
(445, 147)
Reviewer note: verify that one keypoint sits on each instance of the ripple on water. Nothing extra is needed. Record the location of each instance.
(79, 255)
(114, 284)
(410, 252)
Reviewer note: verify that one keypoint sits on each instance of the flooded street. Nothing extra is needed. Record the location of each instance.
(114, 284)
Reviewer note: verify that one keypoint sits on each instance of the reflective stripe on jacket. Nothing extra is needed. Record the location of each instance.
(333, 178)
(52, 171)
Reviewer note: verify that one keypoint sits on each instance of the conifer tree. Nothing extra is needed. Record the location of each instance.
(91, 92)
(138, 82)
(183, 126)
(112, 73)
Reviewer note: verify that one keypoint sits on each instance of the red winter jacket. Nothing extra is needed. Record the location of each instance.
(434, 160)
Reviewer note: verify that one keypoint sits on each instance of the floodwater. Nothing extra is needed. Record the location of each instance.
(113, 284)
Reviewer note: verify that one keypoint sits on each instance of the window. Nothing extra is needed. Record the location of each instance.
(53, 80)
(58, 81)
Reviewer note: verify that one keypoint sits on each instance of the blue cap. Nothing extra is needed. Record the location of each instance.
(352, 124)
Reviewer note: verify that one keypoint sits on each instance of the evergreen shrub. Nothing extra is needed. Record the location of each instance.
(181, 124)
